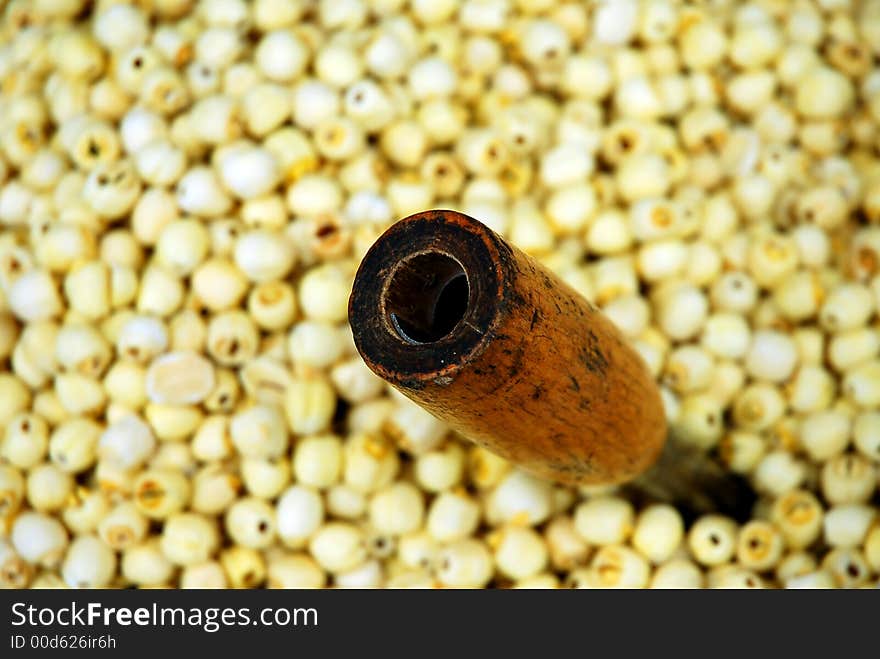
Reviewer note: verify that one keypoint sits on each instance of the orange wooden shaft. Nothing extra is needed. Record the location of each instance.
(506, 353)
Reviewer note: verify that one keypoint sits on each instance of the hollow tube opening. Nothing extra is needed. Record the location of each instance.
(427, 297)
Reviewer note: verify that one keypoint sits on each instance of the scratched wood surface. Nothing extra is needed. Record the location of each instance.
(550, 383)
(556, 390)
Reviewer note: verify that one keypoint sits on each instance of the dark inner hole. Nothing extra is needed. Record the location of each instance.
(427, 297)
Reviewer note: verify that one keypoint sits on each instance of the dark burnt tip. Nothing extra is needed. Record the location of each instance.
(425, 295)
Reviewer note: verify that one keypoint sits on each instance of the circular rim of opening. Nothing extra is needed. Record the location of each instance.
(483, 258)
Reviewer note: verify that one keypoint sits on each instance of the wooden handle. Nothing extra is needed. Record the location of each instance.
(695, 482)
(506, 353)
